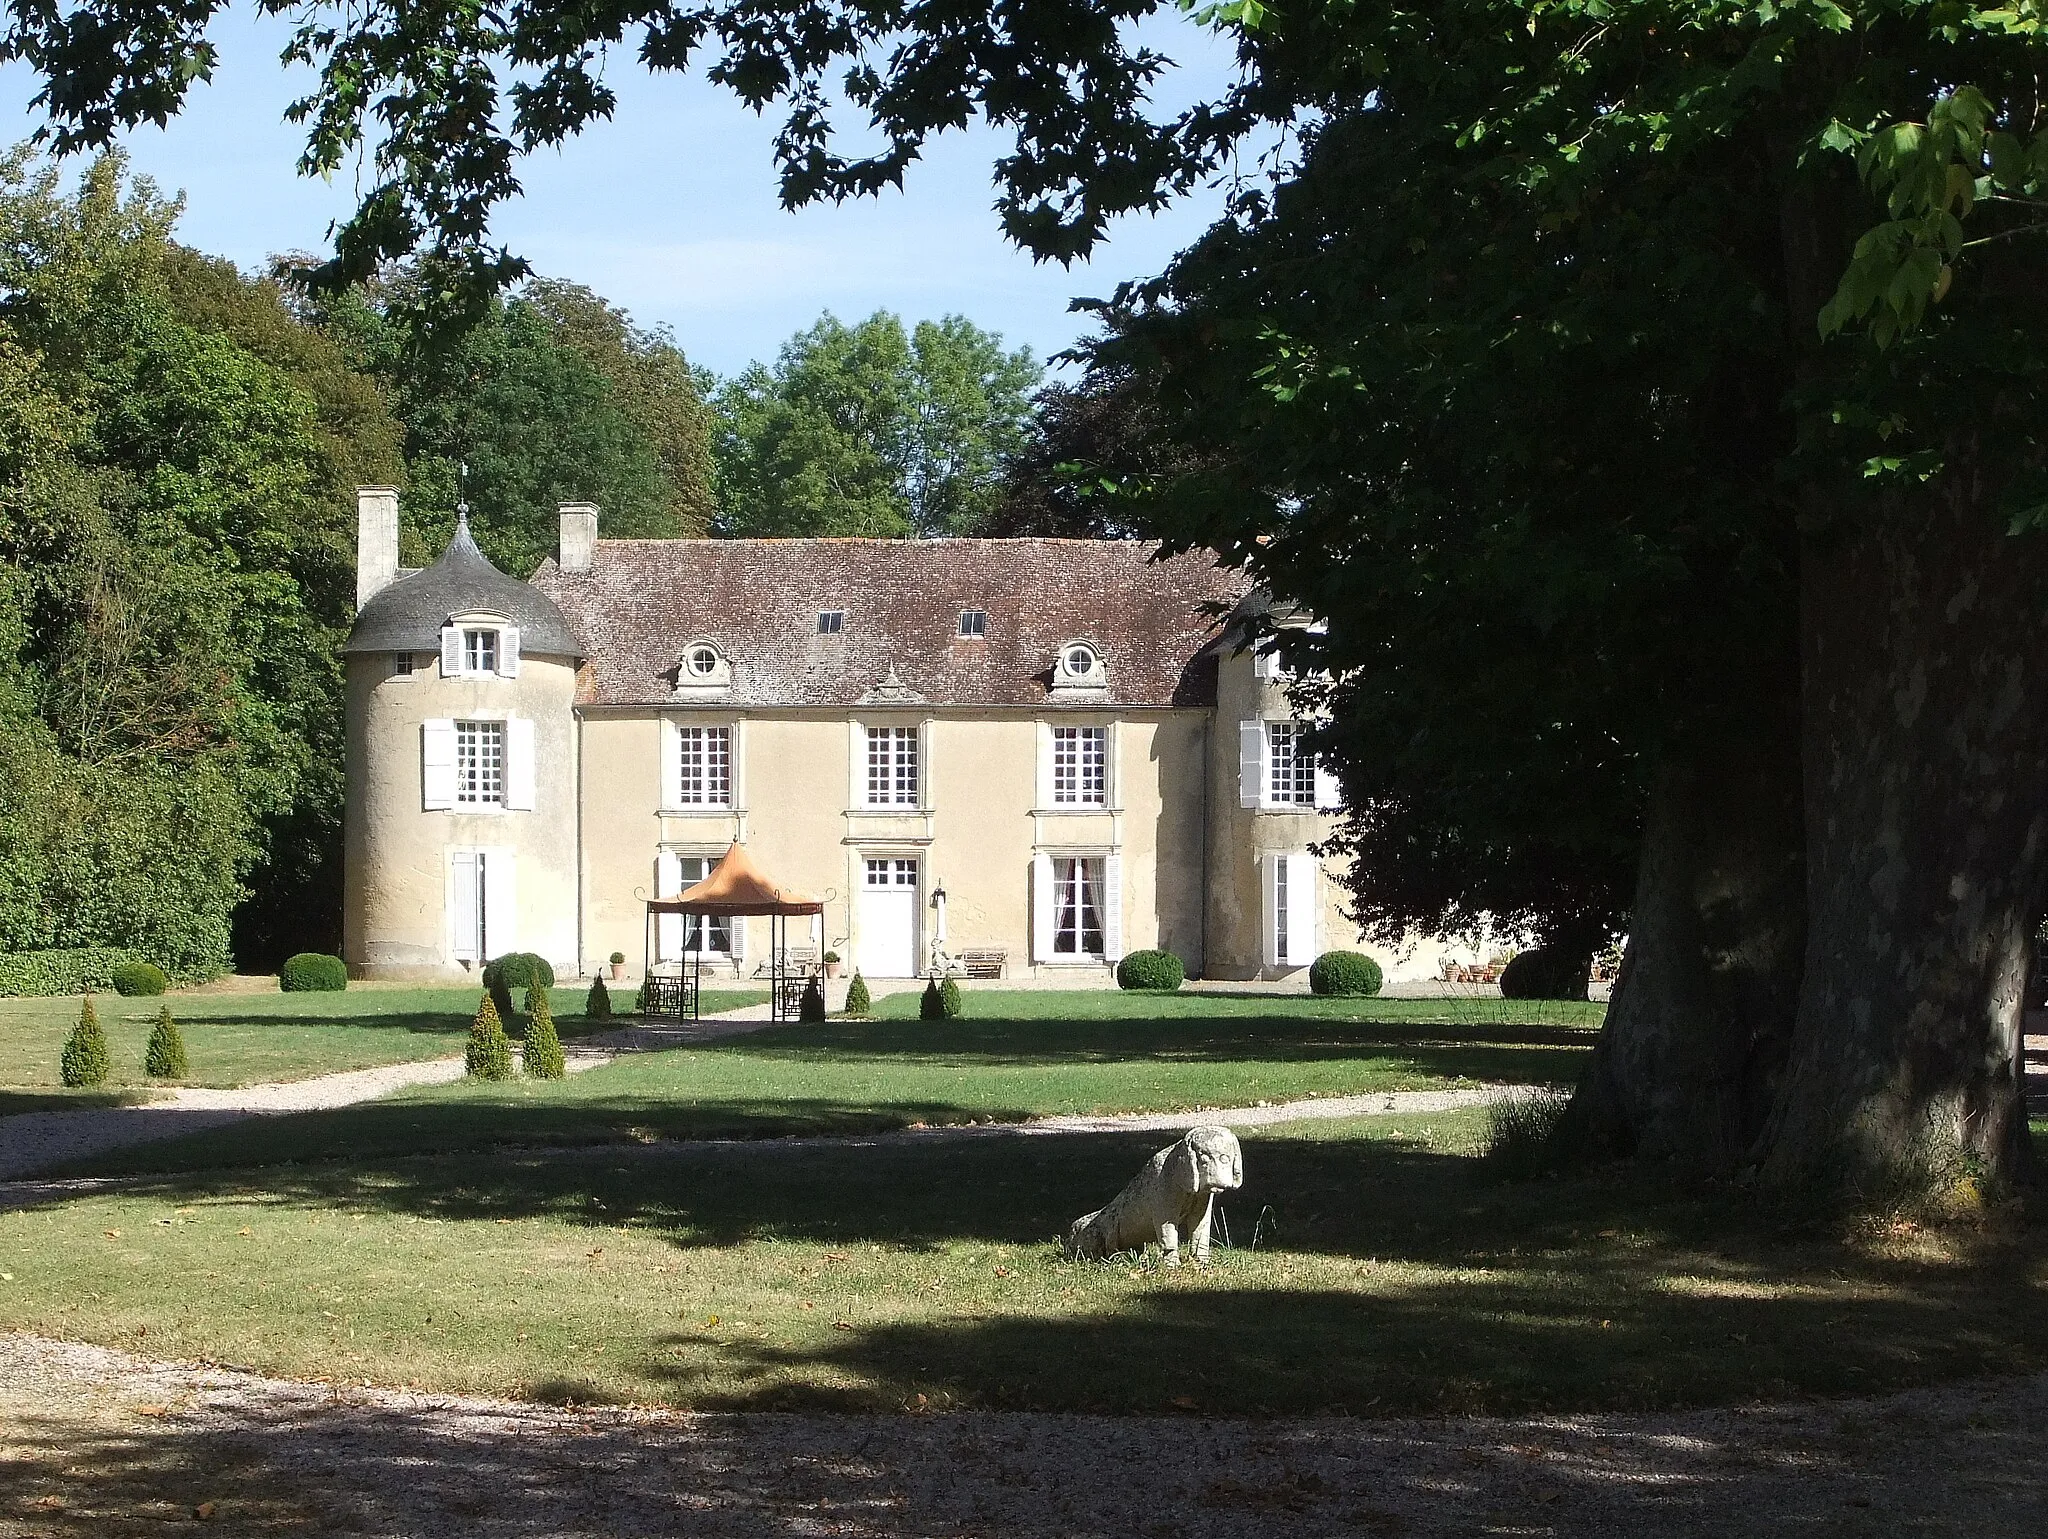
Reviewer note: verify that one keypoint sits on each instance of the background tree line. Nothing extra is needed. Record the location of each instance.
(179, 444)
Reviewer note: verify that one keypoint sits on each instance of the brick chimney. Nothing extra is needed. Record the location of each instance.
(376, 541)
(577, 551)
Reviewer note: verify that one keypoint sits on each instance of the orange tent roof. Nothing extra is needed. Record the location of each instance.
(736, 886)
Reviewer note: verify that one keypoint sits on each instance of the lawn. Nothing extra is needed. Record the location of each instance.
(1021, 1054)
(1391, 1276)
(247, 1039)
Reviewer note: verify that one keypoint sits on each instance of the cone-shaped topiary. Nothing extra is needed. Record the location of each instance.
(543, 1042)
(812, 1006)
(165, 1056)
(857, 1000)
(933, 1006)
(598, 1007)
(949, 997)
(86, 1060)
(490, 1051)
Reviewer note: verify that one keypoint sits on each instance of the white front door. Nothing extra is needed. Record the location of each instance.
(888, 917)
(482, 905)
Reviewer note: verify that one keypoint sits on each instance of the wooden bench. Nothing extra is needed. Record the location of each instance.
(984, 963)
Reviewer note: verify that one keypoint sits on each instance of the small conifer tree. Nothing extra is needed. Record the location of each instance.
(933, 1006)
(490, 1051)
(949, 997)
(165, 1056)
(543, 1041)
(86, 1060)
(857, 1001)
(599, 1006)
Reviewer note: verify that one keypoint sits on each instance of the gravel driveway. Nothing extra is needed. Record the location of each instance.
(98, 1442)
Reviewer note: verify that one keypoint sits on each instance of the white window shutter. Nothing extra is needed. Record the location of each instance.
(1112, 906)
(1304, 909)
(668, 928)
(737, 929)
(508, 652)
(519, 764)
(1041, 907)
(1329, 794)
(1043, 793)
(1269, 909)
(501, 904)
(437, 765)
(462, 900)
(1251, 764)
(451, 651)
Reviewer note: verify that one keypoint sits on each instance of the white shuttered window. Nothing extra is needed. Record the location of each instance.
(704, 767)
(892, 767)
(1080, 766)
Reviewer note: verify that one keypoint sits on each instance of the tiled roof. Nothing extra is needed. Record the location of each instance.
(758, 602)
(408, 615)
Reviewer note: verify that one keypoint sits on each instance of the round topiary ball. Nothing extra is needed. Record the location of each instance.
(312, 972)
(137, 978)
(1352, 974)
(1545, 972)
(519, 970)
(1160, 970)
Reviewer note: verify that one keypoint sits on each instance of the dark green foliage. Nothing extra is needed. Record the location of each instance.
(43, 973)
(1347, 973)
(812, 1006)
(135, 979)
(164, 1058)
(519, 970)
(1527, 1133)
(949, 997)
(86, 1060)
(543, 1054)
(1150, 970)
(1546, 972)
(598, 1007)
(857, 1001)
(311, 972)
(490, 1050)
(932, 1007)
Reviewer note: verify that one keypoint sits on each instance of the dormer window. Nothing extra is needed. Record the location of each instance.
(1080, 667)
(703, 671)
(703, 663)
(974, 623)
(831, 621)
(477, 647)
(479, 650)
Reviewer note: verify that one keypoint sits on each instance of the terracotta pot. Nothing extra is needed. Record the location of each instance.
(835, 969)
(618, 969)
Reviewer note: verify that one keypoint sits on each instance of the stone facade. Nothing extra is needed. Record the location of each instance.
(1047, 751)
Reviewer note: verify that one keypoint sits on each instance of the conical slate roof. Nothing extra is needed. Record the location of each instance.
(408, 615)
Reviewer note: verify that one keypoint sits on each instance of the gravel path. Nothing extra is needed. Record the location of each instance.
(96, 1441)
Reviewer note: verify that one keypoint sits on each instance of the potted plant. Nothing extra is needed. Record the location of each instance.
(833, 966)
(618, 964)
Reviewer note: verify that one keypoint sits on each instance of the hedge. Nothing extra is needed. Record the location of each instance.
(42, 973)
(1344, 972)
(311, 972)
(1150, 970)
(139, 979)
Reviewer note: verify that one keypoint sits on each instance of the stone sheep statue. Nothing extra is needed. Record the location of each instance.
(1168, 1201)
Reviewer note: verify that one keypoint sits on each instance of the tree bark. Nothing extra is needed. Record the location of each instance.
(1702, 1012)
(1925, 642)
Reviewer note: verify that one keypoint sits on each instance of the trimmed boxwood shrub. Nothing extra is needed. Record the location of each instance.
(932, 1007)
(598, 1007)
(80, 970)
(857, 1000)
(165, 1056)
(490, 1050)
(1348, 973)
(133, 979)
(86, 1060)
(949, 997)
(1150, 970)
(515, 970)
(543, 1058)
(313, 972)
(1545, 972)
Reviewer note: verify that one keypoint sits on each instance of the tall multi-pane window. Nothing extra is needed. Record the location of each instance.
(717, 928)
(1280, 905)
(480, 763)
(892, 766)
(1290, 767)
(1077, 907)
(1080, 760)
(480, 651)
(706, 768)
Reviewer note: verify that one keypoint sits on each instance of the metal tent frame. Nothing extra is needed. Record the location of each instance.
(734, 889)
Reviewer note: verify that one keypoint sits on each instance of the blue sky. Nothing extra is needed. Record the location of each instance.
(670, 209)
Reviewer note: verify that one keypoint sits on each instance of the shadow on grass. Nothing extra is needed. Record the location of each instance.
(15, 1102)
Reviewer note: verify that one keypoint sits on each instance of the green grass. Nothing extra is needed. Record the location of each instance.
(1045, 1053)
(1392, 1276)
(247, 1039)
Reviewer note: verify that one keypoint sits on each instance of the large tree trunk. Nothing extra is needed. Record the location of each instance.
(1925, 644)
(1702, 1012)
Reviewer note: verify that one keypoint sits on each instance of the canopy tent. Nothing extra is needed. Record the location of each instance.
(735, 888)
